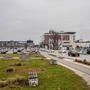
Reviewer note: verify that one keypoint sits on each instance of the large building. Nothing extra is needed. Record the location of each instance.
(15, 44)
(55, 40)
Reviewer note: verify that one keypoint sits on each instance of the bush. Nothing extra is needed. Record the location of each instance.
(7, 57)
(22, 81)
(83, 62)
(3, 84)
(11, 69)
(13, 82)
(18, 81)
(76, 60)
(53, 62)
(18, 64)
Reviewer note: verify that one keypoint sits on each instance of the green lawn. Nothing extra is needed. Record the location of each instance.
(51, 77)
(14, 55)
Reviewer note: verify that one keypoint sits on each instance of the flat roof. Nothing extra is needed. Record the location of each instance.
(82, 41)
(63, 33)
(67, 32)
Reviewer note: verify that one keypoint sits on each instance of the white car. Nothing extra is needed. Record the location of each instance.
(62, 51)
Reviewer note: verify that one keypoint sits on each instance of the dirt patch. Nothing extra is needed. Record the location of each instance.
(38, 69)
(50, 75)
(26, 70)
(22, 70)
(16, 58)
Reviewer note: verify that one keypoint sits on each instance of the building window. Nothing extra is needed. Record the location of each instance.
(65, 37)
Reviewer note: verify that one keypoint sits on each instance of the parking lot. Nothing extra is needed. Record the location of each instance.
(17, 50)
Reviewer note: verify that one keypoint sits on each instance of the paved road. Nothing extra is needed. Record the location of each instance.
(78, 67)
(82, 57)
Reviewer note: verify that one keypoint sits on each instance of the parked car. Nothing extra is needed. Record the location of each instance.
(73, 53)
(83, 51)
(62, 51)
(15, 51)
(3, 51)
(19, 49)
(0, 50)
(88, 51)
(50, 51)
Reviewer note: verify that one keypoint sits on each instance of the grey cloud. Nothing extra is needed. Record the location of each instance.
(24, 19)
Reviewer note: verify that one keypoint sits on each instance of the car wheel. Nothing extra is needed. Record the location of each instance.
(78, 55)
(68, 54)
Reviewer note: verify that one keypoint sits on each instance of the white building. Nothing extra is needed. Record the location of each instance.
(83, 43)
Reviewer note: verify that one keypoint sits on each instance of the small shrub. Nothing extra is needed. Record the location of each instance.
(53, 62)
(88, 63)
(3, 84)
(22, 81)
(11, 81)
(83, 62)
(76, 60)
(14, 82)
(11, 69)
(80, 61)
(18, 64)
(7, 57)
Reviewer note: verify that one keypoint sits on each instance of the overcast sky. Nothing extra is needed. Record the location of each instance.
(29, 19)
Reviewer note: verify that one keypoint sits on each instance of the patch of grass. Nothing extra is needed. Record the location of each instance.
(13, 55)
(51, 77)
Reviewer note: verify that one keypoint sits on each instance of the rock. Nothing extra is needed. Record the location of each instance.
(33, 79)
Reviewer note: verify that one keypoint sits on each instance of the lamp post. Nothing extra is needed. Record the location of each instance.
(61, 44)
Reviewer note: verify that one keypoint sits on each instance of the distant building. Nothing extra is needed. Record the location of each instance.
(55, 40)
(29, 42)
(15, 44)
(82, 43)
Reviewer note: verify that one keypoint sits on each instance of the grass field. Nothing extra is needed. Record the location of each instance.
(14, 55)
(51, 77)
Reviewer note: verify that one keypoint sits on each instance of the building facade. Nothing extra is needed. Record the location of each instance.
(83, 44)
(15, 44)
(56, 40)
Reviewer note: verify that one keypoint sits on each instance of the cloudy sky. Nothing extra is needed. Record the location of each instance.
(29, 19)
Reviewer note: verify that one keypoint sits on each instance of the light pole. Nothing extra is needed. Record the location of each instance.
(61, 43)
